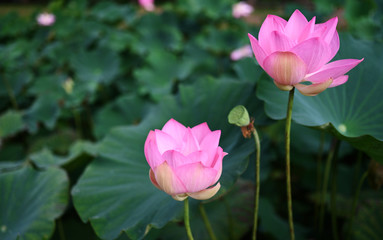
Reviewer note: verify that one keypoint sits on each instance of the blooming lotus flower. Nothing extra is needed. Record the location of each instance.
(46, 19)
(242, 9)
(148, 5)
(185, 161)
(240, 53)
(297, 51)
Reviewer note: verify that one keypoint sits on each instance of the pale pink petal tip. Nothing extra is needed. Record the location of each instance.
(46, 19)
(180, 197)
(242, 9)
(148, 5)
(240, 53)
(205, 194)
(313, 89)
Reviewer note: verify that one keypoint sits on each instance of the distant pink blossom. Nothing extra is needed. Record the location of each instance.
(148, 5)
(242, 52)
(185, 162)
(242, 9)
(297, 51)
(46, 19)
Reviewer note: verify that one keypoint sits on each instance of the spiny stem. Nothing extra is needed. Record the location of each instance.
(257, 182)
(288, 176)
(186, 219)
(207, 222)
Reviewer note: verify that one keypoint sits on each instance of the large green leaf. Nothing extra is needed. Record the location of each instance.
(99, 65)
(353, 111)
(165, 69)
(46, 158)
(10, 123)
(30, 201)
(230, 218)
(368, 220)
(127, 109)
(115, 193)
(156, 32)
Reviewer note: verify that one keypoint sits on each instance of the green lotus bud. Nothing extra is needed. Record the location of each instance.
(239, 116)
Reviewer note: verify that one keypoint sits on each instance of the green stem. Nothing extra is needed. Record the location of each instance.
(318, 180)
(288, 176)
(355, 202)
(334, 148)
(257, 182)
(207, 222)
(11, 94)
(61, 229)
(334, 213)
(187, 223)
(229, 219)
(77, 120)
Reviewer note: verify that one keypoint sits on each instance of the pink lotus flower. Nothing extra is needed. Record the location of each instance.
(46, 19)
(297, 51)
(240, 53)
(185, 161)
(148, 5)
(242, 9)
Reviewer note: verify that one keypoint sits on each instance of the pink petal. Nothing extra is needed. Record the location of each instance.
(200, 131)
(176, 159)
(308, 30)
(165, 142)
(339, 81)
(175, 129)
(314, 52)
(209, 145)
(313, 89)
(217, 163)
(286, 68)
(295, 25)
(205, 194)
(333, 70)
(259, 53)
(189, 143)
(195, 177)
(241, 52)
(326, 30)
(168, 181)
(271, 23)
(278, 42)
(152, 155)
(334, 45)
(152, 178)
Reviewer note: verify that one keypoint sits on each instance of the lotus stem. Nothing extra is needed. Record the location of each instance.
(334, 213)
(355, 202)
(333, 150)
(288, 176)
(318, 173)
(77, 121)
(186, 219)
(257, 182)
(207, 222)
